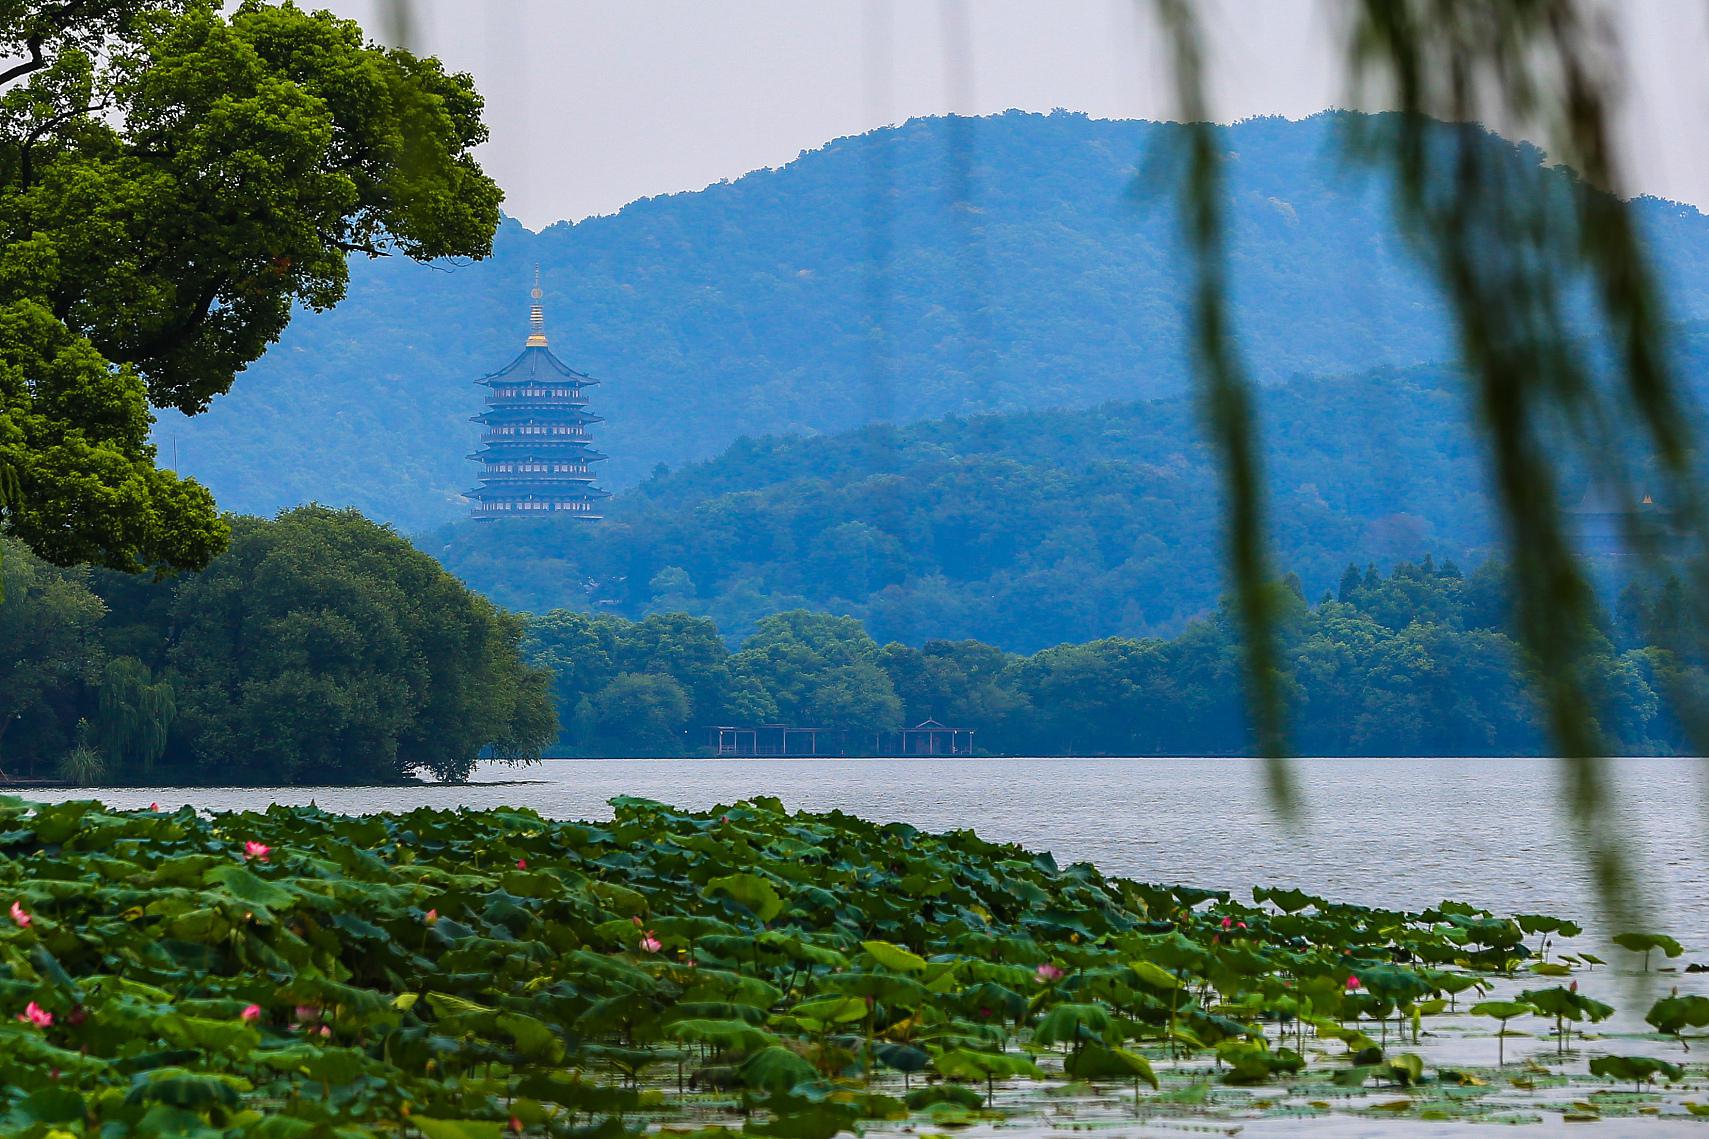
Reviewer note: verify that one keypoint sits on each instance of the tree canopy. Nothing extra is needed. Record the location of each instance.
(1418, 662)
(173, 182)
(320, 647)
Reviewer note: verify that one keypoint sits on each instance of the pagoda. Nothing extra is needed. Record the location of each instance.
(535, 448)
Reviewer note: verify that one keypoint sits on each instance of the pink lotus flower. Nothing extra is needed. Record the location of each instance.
(18, 915)
(1352, 983)
(522, 863)
(325, 1030)
(37, 1015)
(256, 850)
(1240, 925)
(1226, 922)
(308, 1012)
(1047, 973)
(651, 944)
(154, 806)
(431, 917)
(251, 1014)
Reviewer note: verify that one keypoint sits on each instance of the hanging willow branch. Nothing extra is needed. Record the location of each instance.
(1560, 321)
(1228, 401)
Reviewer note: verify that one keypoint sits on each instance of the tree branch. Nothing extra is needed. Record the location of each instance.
(36, 62)
(25, 170)
(176, 334)
(36, 39)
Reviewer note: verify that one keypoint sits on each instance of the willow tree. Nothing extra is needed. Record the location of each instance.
(134, 714)
(174, 181)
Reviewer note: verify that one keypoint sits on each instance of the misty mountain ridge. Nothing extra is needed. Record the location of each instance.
(947, 266)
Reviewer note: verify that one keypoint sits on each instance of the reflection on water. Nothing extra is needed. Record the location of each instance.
(1398, 832)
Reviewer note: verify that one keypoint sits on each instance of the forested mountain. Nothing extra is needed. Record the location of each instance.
(1021, 529)
(945, 266)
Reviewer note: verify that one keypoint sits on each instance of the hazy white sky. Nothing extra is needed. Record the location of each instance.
(594, 103)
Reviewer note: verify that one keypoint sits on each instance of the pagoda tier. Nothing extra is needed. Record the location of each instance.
(536, 448)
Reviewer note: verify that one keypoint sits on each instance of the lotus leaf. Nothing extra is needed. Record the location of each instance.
(1673, 1015)
(228, 1037)
(901, 1057)
(1094, 1062)
(737, 1034)
(1251, 1062)
(776, 1069)
(1406, 1069)
(1072, 1023)
(832, 1010)
(963, 1064)
(1638, 1069)
(894, 957)
(1647, 943)
(750, 890)
(457, 1128)
(1156, 976)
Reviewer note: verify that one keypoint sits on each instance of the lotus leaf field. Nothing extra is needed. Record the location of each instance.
(476, 974)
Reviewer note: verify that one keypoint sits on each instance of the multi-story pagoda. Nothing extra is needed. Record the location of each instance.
(536, 450)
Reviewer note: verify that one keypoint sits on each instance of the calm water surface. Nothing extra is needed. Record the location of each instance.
(1405, 832)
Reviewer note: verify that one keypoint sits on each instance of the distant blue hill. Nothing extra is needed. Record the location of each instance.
(945, 266)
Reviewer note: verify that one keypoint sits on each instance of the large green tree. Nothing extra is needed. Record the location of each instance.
(821, 670)
(323, 647)
(173, 182)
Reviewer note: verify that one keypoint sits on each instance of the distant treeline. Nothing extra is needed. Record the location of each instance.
(1415, 663)
(324, 648)
(320, 647)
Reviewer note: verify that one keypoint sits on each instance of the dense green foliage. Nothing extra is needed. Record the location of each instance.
(174, 181)
(1417, 663)
(320, 647)
(1016, 261)
(463, 973)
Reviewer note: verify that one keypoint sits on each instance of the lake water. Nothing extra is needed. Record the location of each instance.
(1397, 832)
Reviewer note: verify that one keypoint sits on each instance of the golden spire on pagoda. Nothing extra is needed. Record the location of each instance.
(536, 316)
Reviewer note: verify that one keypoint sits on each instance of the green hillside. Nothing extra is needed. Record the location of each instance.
(945, 266)
(1021, 529)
